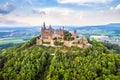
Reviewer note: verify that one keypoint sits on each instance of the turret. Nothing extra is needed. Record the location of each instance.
(41, 32)
(50, 27)
(60, 28)
(75, 34)
(44, 25)
(63, 34)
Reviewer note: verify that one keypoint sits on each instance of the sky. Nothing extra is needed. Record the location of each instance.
(59, 12)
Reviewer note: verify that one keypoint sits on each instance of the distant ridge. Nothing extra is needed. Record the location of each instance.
(114, 24)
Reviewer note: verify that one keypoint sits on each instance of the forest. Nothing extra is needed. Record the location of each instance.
(36, 62)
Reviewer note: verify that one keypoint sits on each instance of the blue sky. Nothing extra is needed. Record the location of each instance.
(59, 12)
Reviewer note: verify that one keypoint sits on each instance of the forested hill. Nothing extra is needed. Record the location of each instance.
(31, 62)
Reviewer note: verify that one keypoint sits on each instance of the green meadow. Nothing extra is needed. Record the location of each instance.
(14, 40)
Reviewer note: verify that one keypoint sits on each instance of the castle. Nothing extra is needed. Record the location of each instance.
(51, 33)
(50, 36)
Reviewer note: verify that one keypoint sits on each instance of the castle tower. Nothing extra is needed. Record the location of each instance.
(63, 31)
(50, 27)
(44, 25)
(41, 32)
(63, 34)
(75, 34)
(50, 32)
(63, 27)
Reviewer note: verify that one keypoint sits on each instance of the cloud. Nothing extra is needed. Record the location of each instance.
(83, 2)
(7, 8)
(64, 16)
(56, 11)
(29, 2)
(9, 22)
(116, 8)
(67, 16)
(3, 21)
(33, 2)
(38, 11)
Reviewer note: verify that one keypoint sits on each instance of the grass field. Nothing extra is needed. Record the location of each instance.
(14, 40)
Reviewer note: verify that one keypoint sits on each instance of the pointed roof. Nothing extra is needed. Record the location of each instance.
(44, 25)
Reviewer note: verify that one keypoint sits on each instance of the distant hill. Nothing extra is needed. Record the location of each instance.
(99, 26)
(114, 24)
(32, 62)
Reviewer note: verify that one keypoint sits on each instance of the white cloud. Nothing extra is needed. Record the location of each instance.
(116, 9)
(57, 11)
(7, 8)
(66, 16)
(57, 15)
(81, 2)
(39, 12)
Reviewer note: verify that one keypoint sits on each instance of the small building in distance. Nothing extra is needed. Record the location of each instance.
(56, 37)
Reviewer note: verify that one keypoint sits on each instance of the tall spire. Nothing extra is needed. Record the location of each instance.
(44, 25)
(75, 34)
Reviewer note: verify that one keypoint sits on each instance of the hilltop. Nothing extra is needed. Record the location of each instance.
(35, 62)
(60, 37)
